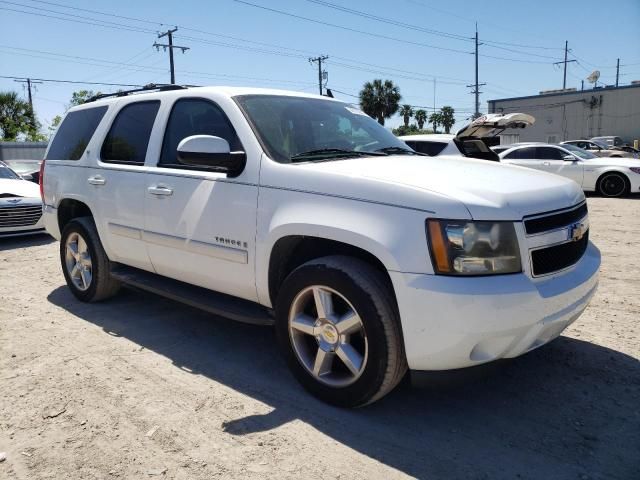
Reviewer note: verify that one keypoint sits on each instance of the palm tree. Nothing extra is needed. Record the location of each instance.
(421, 118)
(406, 111)
(380, 99)
(446, 118)
(435, 119)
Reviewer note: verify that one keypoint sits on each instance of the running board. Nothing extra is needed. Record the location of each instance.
(217, 303)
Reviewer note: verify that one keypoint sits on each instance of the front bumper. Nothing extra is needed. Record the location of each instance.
(454, 322)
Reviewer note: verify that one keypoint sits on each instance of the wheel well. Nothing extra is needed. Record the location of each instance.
(290, 252)
(70, 209)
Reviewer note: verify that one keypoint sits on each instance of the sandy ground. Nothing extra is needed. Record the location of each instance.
(142, 387)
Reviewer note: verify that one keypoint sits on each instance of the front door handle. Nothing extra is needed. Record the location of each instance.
(96, 180)
(159, 190)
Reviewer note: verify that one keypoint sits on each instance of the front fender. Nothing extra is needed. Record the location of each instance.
(394, 235)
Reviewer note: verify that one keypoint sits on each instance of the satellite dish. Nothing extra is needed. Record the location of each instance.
(593, 78)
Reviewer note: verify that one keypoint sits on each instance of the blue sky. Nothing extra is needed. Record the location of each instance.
(234, 43)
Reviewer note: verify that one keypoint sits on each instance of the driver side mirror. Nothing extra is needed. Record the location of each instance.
(569, 158)
(211, 153)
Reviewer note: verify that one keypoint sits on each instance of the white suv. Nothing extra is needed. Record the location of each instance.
(276, 207)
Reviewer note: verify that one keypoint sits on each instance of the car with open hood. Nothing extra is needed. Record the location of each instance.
(301, 212)
(473, 140)
(20, 204)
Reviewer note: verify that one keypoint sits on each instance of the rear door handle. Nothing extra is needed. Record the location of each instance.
(546, 163)
(160, 190)
(96, 180)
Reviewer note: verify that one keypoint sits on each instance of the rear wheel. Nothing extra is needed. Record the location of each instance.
(613, 184)
(338, 325)
(85, 264)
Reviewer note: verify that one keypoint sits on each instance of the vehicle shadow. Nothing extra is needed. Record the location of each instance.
(34, 240)
(567, 410)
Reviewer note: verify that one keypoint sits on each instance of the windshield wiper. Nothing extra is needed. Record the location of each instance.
(400, 151)
(325, 153)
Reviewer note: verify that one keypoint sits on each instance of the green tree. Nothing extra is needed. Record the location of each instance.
(406, 111)
(380, 99)
(447, 119)
(435, 119)
(16, 118)
(80, 97)
(421, 118)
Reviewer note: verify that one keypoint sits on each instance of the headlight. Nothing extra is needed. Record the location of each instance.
(461, 247)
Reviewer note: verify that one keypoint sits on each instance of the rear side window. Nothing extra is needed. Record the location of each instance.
(430, 148)
(195, 116)
(128, 138)
(74, 134)
(528, 153)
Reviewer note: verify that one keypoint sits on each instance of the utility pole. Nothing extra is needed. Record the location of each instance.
(434, 94)
(29, 83)
(170, 46)
(566, 51)
(617, 72)
(319, 60)
(476, 86)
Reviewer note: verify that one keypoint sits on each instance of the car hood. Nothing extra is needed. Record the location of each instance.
(19, 188)
(612, 162)
(485, 190)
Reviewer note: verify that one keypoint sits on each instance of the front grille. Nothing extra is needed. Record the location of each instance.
(554, 221)
(20, 215)
(558, 257)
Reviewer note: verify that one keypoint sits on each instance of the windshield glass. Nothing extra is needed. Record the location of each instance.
(299, 127)
(23, 166)
(579, 152)
(6, 172)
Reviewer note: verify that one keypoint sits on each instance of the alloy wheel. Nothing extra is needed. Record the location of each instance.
(78, 261)
(328, 336)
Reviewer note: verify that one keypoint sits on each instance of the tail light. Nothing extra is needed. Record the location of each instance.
(41, 180)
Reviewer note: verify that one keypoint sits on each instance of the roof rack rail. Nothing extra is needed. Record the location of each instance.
(163, 87)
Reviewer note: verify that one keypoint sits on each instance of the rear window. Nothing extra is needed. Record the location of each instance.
(128, 138)
(74, 134)
(430, 148)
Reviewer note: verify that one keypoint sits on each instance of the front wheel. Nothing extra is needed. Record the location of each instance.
(612, 184)
(338, 326)
(85, 264)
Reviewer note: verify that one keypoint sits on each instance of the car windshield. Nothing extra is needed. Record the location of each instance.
(307, 129)
(6, 172)
(579, 151)
(601, 144)
(23, 166)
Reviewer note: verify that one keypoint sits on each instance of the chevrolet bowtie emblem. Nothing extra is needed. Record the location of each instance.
(577, 231)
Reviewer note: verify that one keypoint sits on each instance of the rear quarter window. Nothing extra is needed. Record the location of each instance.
(74, 134)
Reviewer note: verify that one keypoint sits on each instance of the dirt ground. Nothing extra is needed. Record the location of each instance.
(142, 387)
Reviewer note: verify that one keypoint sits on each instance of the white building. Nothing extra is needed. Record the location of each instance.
(576, 114)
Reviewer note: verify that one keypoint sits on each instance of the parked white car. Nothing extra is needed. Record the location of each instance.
(276, 207)
(471, 140)
(20, 204)
(601, 149)
(609, 176)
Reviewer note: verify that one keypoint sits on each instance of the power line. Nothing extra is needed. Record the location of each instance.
(354, 30)
(40, 80)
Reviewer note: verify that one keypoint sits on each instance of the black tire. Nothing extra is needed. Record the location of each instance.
(102, 285)
(371, 294)
(613, 185)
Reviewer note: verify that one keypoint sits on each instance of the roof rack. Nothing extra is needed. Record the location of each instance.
(146, 88)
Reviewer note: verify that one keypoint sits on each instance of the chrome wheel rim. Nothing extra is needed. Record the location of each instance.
(78, 261)
(328, 336)
(613, 185)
